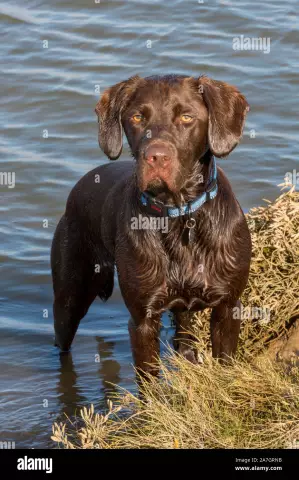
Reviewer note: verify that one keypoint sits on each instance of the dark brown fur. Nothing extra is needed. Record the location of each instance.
(156, 270)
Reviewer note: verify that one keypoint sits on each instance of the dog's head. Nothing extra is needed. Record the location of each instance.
(170, 123)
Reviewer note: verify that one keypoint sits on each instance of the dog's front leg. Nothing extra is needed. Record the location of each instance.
(143, 287)
(225, 328)
(145, 344)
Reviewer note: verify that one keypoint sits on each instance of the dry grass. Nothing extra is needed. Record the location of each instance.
(254, 403)
(273, 283)
(209, 406)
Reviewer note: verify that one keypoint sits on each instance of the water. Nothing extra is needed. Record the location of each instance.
(53, 92)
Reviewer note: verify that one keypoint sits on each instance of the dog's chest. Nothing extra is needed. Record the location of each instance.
(194, 278)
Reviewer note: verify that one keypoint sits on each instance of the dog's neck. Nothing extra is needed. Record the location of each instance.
(197, 182)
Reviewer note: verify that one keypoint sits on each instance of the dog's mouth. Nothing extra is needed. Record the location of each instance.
(156, 187)
(160, 187)
(160, 191)
(156, 180)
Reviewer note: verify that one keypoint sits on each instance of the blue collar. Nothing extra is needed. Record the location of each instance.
(159, 209)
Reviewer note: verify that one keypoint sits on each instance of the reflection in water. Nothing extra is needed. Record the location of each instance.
(68, 393)
(109, 368)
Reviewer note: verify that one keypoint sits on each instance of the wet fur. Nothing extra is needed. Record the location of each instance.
(156, 271)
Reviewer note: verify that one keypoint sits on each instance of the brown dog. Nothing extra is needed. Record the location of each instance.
(169, 221)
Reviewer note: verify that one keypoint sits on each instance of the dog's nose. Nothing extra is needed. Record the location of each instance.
(158, 155)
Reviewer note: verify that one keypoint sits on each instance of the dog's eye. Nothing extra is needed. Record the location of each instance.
(186, 118)
(137, 118)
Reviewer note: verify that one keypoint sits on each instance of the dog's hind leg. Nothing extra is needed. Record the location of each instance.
(78, 277)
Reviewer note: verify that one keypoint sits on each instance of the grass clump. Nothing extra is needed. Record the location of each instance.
(242, 405)
(271, 300)
(274, 274)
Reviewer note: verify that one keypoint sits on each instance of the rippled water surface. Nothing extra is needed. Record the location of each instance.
(51, 92)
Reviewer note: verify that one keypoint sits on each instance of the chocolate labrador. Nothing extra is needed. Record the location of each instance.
(168, 220)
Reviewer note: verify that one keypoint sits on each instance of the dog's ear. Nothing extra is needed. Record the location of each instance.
(109, 110)
(227, 109)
